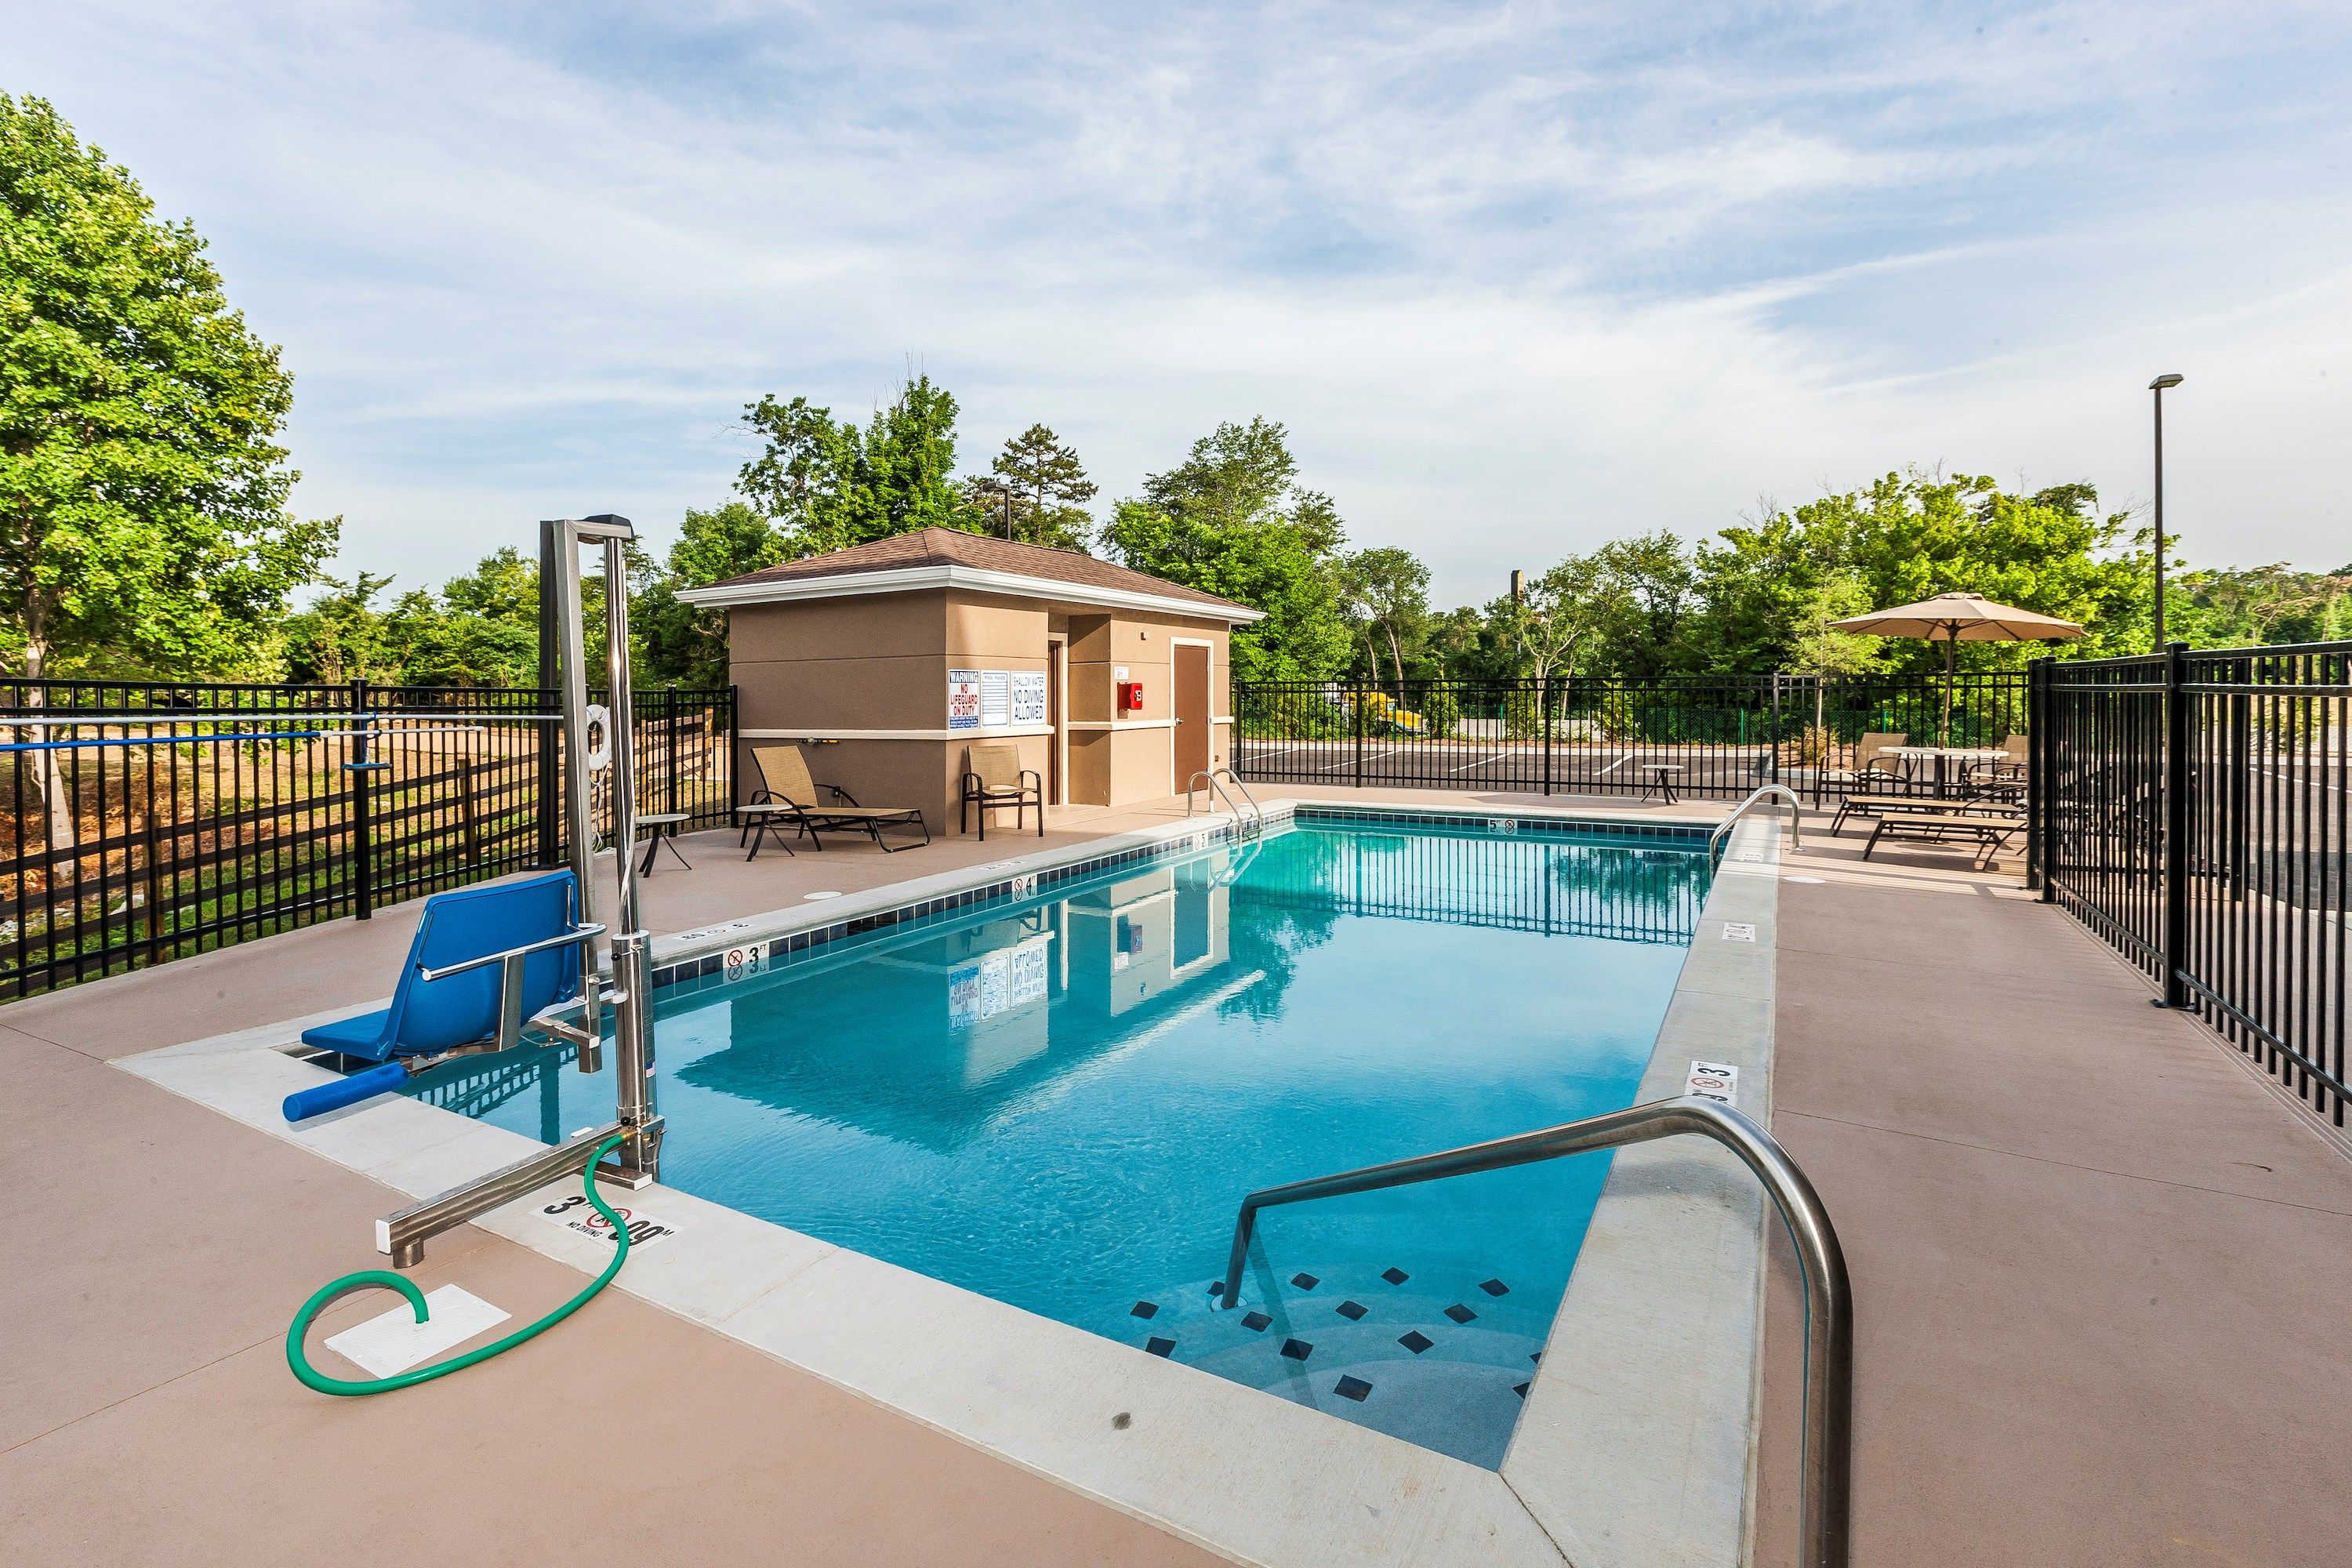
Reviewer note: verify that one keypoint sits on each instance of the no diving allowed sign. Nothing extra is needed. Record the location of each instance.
(576, 1213)
(1719, 1081)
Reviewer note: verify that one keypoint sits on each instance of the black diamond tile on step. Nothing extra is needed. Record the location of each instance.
(1460, 1313)
(1415, 1341)
(1296, 1350)
(1304, 1282)
(1351, 1311)
(1537, 1358)
(1255, 1322)
(1143, 1310)
(1520, 1389)
(1494, 1287)
(1395, 1276)
(1158, 1346)
(1354, 1388)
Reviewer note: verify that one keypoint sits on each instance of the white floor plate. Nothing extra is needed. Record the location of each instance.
(395, 1340)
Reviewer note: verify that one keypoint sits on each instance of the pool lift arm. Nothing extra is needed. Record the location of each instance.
(635, 1125)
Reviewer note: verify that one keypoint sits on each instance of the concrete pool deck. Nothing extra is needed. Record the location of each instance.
(2020, 1398)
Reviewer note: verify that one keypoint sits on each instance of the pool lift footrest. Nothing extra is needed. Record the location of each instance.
(402, 1236)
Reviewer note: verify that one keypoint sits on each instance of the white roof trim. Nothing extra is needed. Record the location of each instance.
(915, 579)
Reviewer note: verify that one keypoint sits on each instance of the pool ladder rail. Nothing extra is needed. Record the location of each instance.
(1827, 1460)
(1716, 841)
(1250, 824)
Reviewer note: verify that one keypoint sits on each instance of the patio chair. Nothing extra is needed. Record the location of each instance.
(1989, 829)
(1871, 764)
(2001, 778)
(993, 779)
(787, 794)
(472, 926)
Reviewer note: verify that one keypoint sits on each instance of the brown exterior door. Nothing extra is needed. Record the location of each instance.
(1191, 694)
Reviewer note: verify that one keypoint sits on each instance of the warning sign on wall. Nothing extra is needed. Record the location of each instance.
(1029, 697)
(963, 699)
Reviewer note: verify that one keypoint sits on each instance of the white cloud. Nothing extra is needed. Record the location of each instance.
(1517, 278)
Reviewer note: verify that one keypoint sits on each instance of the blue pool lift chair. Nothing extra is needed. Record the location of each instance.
(484, 959)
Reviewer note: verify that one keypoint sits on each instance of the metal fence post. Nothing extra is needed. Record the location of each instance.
(550, 782)
(2037, 778)
(2177, 730)
(1543, 717)
(362, 833)
(154, 881)
(669, 719)
(1356, 709)
(735, 717)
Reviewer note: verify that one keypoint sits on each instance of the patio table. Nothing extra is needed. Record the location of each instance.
(1943, 757)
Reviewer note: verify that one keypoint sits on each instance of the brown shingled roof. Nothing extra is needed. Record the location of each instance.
(952, 547)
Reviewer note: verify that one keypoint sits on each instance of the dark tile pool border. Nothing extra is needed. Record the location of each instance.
(1679, 833)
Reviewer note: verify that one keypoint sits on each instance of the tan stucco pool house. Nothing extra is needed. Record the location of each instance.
(895, 655)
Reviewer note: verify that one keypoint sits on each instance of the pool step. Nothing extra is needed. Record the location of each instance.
(1440, 1357)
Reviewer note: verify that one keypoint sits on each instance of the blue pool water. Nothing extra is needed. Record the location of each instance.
(1059, 1102)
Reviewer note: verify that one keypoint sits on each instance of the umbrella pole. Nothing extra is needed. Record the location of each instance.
(1951, 646)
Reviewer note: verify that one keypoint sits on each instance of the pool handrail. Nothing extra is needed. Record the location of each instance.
(1827, 1461)
(1796, 812)
(1256, 813)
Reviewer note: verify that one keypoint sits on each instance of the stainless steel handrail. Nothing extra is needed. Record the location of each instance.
(1827, 1459)
(577, 934)
(1256, 813)
(1796, 811)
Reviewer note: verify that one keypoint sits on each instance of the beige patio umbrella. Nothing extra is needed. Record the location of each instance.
(1953, 619)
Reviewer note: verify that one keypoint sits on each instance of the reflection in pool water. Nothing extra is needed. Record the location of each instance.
(1059, 1102)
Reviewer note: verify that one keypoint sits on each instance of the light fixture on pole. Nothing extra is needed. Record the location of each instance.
(2156, 388)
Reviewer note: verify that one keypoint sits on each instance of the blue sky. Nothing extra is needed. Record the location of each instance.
(1518, 279)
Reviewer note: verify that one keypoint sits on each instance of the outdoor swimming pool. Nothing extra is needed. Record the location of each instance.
(1058, 1101)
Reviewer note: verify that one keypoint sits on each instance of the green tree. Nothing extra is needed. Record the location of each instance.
(909, 464)
(1387, 591)
(143, 492)
(1910, 537)
(829, 485)
(1231, 519)
(1561, 617)
(806, 477)
(2250, 606)
(340, 636)
(1823, 652)
(686, 646)
(143, 523)
(1035, 490)
(1647, 591)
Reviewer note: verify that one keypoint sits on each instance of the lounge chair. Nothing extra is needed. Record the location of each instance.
(788, 794)
(534, 920)
(1989, 830)
(994, 778)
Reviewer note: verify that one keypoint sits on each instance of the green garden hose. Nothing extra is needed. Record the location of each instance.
(385, 1279)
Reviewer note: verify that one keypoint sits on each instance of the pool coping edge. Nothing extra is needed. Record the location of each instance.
(1638, 1445)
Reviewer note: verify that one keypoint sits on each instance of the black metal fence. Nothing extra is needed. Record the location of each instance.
(152, 820)
(1711, 737)
(2194, 809)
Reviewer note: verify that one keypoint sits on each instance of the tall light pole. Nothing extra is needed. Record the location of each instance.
(2156, 388)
